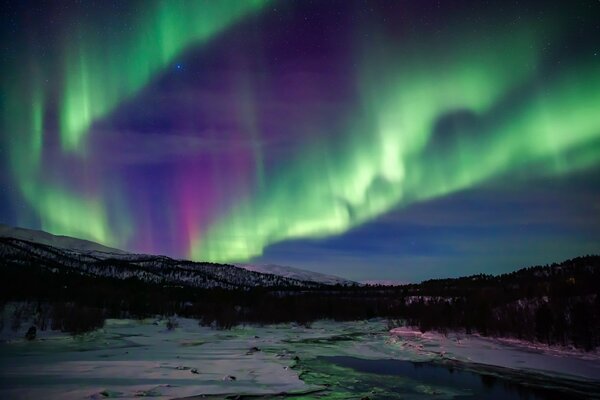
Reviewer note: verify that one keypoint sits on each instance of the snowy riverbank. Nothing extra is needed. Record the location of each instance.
(499, 352)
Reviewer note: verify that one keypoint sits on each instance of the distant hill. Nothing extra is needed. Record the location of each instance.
(296, 273)
(382, 282)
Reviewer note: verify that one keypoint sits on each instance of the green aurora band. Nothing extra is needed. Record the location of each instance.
(101, 74)
(389, 159)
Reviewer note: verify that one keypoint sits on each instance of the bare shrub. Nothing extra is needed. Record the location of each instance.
(172, 323)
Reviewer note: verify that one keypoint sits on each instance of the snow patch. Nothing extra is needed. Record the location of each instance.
(296, 273)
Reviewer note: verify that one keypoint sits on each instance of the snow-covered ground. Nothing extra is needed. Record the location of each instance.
(130, 358)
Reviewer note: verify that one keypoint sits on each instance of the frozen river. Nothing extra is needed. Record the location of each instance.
(131, 359)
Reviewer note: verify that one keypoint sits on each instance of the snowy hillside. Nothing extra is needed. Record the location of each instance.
(62, 242)
(95, 252)
(296, 273)
(22, 248)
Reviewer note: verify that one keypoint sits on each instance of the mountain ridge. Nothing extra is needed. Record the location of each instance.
(86, 257)
(60, 241)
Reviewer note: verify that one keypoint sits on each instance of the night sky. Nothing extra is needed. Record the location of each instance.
(397, 140)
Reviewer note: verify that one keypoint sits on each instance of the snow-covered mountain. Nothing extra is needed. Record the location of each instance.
(22, 247)
(296, 273)
(61, 242)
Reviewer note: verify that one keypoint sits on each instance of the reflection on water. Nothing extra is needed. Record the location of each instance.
(395, 379)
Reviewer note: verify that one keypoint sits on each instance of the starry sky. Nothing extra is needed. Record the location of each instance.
(392, 140)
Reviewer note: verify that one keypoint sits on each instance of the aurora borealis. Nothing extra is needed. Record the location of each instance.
(225, 130)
